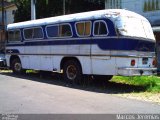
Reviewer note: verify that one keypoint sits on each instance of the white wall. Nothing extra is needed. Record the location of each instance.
(8, 15)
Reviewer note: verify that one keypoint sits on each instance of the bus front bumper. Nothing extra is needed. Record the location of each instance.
(137, 71)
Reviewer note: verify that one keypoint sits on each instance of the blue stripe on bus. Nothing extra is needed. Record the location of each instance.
(104, 44)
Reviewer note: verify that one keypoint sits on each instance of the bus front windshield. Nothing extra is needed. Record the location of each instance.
(135, 27)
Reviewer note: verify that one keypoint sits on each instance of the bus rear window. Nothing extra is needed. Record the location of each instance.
(14, 35)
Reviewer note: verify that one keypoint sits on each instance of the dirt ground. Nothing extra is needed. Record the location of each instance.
(144, 96)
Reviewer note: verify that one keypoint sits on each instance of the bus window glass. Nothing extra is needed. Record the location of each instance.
(65, 30)
(17, 36)
(87, 28)
(96, 28)
(10, 35)
(28, 33)
(14, 36)
(83, 28)
(38, 33)
(80, 28)
(52, 31)
(100, 28)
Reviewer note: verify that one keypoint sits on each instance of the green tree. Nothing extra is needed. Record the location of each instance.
(149, 6)
(145, 9)
(157, 5)
(23, 11)
(48, 8)
(73, 6)
(153, 5)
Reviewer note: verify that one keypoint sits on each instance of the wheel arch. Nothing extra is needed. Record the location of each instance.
(12, 58)
(65, 59)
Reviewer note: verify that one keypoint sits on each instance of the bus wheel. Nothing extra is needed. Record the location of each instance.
(17, 66)
(72, 71)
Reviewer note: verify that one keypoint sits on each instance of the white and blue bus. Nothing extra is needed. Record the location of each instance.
(98, 43)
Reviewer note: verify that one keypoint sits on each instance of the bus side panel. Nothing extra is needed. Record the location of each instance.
(73, 50)
(58, 52)
(102, 62)
(8, 60)
(85, 64)
(16, 51)
(101, 66)
(25, 61)
(37, 57)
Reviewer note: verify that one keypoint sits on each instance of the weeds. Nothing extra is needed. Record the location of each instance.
(150, 83)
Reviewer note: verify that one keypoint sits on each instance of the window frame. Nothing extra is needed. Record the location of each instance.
(98, 28)
(17, 41)
(59, 30)
(33, 33)
(84, 28)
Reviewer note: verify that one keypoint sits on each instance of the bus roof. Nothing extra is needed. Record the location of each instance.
(108, 13)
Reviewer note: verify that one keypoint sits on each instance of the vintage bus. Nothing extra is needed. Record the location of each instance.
(99, 43)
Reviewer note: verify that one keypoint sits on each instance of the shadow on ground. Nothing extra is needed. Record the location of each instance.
(107, 87)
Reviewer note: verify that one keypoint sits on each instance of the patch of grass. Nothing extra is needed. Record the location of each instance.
(151, 83)
(31, 71)
(5, 71)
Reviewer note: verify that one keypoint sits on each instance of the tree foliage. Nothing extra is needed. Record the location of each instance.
(23, 12)
(48, 8)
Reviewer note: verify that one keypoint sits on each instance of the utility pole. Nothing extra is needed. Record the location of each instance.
(33, 10)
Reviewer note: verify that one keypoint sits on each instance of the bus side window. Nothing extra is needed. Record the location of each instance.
(83, 28)
(11, 35)
(28, 33)
(87, 28)
(52, 31)
(14, 35)
(65, 30)
(100, 28)
(33, 33)
(17, 35)
(38, 33)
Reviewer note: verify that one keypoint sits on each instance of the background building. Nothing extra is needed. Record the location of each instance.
(9, 11)
(148, 8)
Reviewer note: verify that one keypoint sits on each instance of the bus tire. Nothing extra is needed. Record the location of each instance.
(72, 71)
(17, 66)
